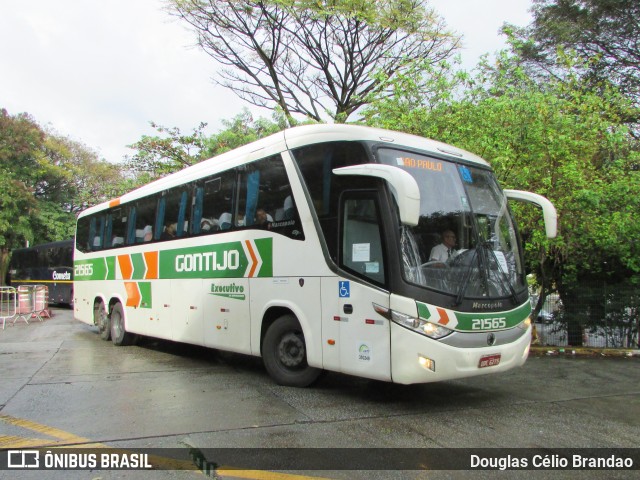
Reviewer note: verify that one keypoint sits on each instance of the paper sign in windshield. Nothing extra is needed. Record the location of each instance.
(361, 252)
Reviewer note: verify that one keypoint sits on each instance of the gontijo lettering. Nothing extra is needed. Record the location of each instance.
(208, 261)
(248, 258)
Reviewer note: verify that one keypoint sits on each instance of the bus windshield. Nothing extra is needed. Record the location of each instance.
(465, 243)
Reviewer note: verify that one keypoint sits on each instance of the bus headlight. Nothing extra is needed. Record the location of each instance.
(525, 323)
(431, 330)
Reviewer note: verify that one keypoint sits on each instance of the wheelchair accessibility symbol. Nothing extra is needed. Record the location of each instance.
(344, 290)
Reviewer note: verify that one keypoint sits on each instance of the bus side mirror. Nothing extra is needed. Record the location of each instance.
(548, 210)
(403, 187)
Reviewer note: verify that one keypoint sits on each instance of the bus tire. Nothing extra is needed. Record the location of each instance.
(101, 320)
(119, 336)
(284, 354)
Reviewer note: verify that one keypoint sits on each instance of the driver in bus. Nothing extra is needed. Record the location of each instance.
(446, 250)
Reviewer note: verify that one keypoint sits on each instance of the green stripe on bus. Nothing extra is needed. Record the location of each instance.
(94, 269)
(145, 294)
(139, 267)
(111, 268)
(224, 260)
(474, 321)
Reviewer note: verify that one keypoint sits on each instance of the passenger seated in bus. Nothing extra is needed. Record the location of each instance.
(147, 233)
(169, 231)
(445, 250)
(208, 225)
(262, 218)
(117, 241)
(225, 221)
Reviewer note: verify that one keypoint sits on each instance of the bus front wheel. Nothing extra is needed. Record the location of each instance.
(284, 353)
(119, 336)
(101, 320)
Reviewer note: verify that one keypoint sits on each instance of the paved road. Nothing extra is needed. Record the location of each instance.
(62, 385)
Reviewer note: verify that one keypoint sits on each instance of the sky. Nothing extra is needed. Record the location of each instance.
(99, 71)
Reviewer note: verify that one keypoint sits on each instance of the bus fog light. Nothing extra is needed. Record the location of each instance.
(427, 363)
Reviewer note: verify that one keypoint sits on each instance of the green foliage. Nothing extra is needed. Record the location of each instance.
(406, 15)
(602, 33)
(158, 156)
(45, 179)
(21, 142)
(16, 206)
(241, 130)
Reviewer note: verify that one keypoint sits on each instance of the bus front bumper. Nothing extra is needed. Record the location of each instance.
(419, 359)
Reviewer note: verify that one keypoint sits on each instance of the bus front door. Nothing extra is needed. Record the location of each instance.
(363, 335)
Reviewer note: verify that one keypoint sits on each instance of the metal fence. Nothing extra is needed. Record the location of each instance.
(599, 317)
(25, 303)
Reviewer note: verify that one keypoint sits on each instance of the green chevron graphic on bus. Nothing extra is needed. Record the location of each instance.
(95, 269)
(248, 258)
(139, 267)
(474, 322)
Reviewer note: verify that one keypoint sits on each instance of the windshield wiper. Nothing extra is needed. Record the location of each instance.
(485, 272)
(467, 277)
(504, 276)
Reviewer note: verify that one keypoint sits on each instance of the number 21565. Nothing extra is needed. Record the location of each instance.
(84, 269)
(488, 323)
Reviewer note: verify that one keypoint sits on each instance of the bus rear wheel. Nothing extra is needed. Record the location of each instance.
(284, 354)
(119, 336)
(101, 320)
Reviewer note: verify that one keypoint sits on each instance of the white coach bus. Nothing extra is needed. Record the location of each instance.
(314, 249)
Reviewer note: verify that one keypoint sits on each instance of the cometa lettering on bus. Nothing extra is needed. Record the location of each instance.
(62, 275)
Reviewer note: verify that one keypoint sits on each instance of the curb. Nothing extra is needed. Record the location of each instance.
(537, 350)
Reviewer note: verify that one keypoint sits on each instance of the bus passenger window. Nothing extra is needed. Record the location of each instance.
(265, 199)
(97, 233)
(116, 227)
(316, 163)
(176, 215)
(217, 202)
(144, 218)
(82, 234)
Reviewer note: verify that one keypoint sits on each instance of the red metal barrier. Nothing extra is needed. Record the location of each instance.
(32, 302)
(8, 302)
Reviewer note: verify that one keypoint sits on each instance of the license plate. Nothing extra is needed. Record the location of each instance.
(489, 361)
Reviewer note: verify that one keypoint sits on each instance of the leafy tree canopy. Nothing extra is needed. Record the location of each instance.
(311, 58)
(171, 151)
(45, 179)
(602, 33)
